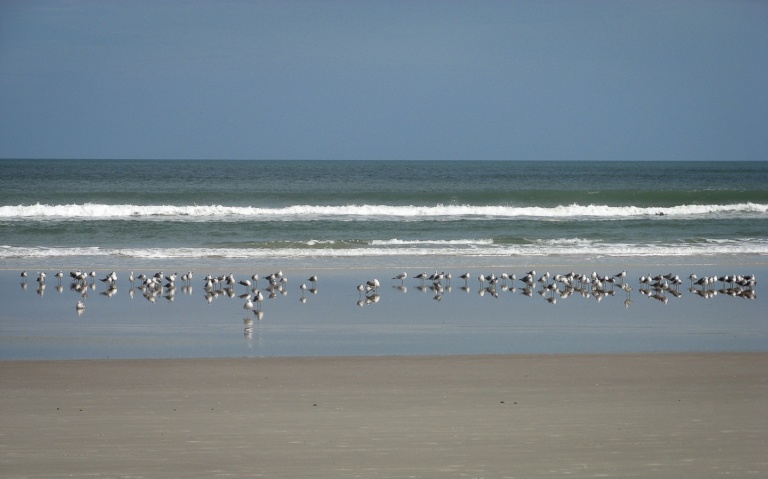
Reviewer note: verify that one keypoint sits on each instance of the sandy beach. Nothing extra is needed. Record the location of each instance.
(649, 415)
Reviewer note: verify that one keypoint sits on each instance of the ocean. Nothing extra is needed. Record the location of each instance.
(350, 222)
(116, 212)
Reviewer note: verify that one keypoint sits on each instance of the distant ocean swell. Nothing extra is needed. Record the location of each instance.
(395, 247)
(95, 211)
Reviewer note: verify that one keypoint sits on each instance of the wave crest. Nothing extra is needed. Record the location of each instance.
(95, 211)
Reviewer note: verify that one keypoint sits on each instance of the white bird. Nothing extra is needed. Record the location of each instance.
(401, 276)
(80, 306)
(374, 283)
(248, 303)
(259, 297)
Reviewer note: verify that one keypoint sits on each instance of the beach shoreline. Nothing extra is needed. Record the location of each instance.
(585, 415)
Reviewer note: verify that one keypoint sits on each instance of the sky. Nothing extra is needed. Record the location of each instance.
(385, 80)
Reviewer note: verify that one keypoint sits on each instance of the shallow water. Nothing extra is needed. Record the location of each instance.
(336, 320)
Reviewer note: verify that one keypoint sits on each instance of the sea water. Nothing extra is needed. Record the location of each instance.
(352, 221)
(116, 211)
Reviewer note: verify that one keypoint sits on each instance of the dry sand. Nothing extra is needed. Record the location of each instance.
(653, 415)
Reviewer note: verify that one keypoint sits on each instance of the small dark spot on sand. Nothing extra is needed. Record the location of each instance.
(315, 404)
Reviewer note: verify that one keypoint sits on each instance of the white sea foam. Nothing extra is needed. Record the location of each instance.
(456, 242)
(566, 248)
(95, 211)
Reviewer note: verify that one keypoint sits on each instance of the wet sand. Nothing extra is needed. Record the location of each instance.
(649, 415)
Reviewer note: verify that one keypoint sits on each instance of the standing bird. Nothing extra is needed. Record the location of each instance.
(401, 277)
(313, 279)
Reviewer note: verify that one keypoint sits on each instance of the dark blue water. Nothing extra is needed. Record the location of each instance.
(203, 210)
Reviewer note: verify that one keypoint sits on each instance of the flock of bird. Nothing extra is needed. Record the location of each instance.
(165, 285)
(562, 286)
(548, 286)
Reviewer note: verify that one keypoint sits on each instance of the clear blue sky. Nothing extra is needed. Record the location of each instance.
(520, 80)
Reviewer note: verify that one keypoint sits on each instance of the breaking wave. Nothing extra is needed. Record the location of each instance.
(95, 211)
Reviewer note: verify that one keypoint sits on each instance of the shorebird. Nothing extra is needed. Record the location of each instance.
(259, 298)
(313, 279)
(24, 276)
(80, 306)
(248, 303)
(401, 277)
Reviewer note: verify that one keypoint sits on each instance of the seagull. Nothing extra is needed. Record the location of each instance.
(248, 303)
(312, 279)
(23, 275)
(80, 306)
(259, 298)
(401, 276)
